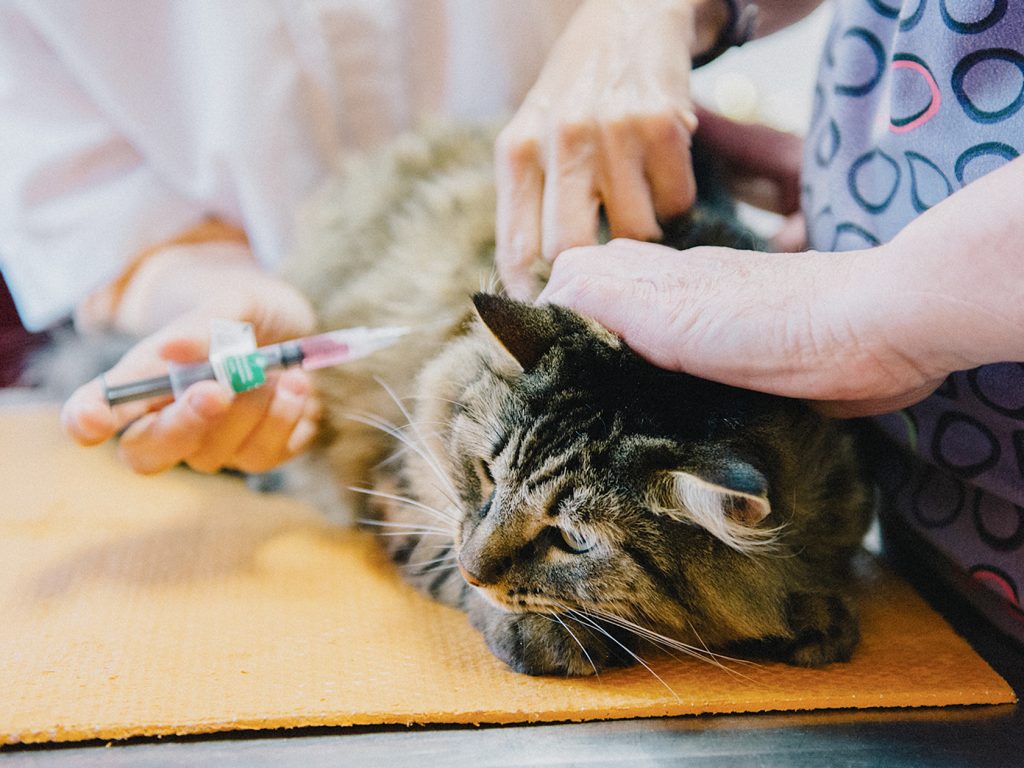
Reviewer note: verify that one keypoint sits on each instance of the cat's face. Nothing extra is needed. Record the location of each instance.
(587, 481)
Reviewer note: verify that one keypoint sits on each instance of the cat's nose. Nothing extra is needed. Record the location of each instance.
(469, 577)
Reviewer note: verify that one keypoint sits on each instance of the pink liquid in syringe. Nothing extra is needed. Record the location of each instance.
(322, 351)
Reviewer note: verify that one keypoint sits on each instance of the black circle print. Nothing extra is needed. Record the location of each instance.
(873, 180)
(989, 84)
(937, 498)
(909, 20)
(827, 146)
(928, 184)
(981, 159)
(860, 38)
(998, 523)
(984, 383)
(971, 22)
(890, 12)
(963, 445)
(850, 237)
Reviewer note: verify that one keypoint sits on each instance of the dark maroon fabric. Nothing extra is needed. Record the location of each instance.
(15, 341)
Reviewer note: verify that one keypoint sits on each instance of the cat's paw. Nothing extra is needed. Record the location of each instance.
(824, 629)
(535, 644)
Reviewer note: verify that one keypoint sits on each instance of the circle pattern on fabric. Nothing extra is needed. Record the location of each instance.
(998, 581)
(1018, 447)
(982, 159)
(909, 20)
(998, 523)
(873, 180)
(937, 498)
(971, 22)
(994, 385)
(963, 445)
(928, 184)
(866, 48)
(890, 12)
(850, 237)
(989, 84)
(913, 82)
(827, 147)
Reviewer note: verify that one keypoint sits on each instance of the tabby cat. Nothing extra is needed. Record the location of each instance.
(530, 469)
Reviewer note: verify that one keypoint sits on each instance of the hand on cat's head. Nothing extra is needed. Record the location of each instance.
(788, 324)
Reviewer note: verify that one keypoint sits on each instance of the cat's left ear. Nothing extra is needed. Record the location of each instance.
(524, 330)
(730, 501)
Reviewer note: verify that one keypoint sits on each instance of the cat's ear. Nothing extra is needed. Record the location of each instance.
(524, 330)
(730, 501)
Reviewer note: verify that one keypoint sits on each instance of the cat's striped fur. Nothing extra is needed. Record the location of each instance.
(528, 468)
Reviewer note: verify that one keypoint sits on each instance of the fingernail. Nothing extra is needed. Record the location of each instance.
(300, 437)
(88, 423)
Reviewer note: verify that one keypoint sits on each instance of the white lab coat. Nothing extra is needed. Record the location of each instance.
(124, 122)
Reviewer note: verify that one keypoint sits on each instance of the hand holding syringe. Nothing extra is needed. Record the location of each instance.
(242, 370)
(206, 426)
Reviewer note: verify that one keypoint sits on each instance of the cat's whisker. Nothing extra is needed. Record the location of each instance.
(426, 455)
(703, 654)
(404, 528)
(587, 621)
(398, 434)
(436, 398)
(406, 501)
(733, 659)
(576, 639)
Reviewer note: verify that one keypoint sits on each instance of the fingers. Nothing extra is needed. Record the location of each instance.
(624, 185)
(288, 426)
(570, 208)
(764, 162)
(668, 165)
(159, 440)
(86, 418)
(520, 188)
(550, 190)
(210, 431)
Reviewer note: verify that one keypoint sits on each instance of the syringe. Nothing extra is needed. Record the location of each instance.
(247, 370)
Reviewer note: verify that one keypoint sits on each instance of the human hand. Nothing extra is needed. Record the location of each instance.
(762, 167)
(207, 428)
(820, 327)
(607, 123)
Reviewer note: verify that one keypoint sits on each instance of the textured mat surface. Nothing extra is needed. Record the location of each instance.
(186, 604)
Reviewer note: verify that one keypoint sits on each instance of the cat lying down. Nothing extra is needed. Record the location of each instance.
(579, 504)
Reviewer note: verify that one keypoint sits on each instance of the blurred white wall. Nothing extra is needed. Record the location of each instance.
(768, 81)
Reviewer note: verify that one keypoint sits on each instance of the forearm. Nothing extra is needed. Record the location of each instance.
(950, 287)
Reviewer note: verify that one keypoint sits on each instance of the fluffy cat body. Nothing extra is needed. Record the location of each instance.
(578, 503)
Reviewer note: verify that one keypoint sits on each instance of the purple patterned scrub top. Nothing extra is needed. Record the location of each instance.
(914, 100)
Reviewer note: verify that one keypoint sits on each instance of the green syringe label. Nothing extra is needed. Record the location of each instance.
(245, 372)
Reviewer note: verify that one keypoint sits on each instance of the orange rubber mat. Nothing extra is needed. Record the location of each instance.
(185, 604)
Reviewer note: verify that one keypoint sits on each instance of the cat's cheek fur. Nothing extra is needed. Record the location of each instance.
(536, 644)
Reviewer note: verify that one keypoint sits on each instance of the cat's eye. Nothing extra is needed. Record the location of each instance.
(484, 475)
(577, 542)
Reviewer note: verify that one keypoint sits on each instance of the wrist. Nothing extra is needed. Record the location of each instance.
(126, 303)
(905, 332)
